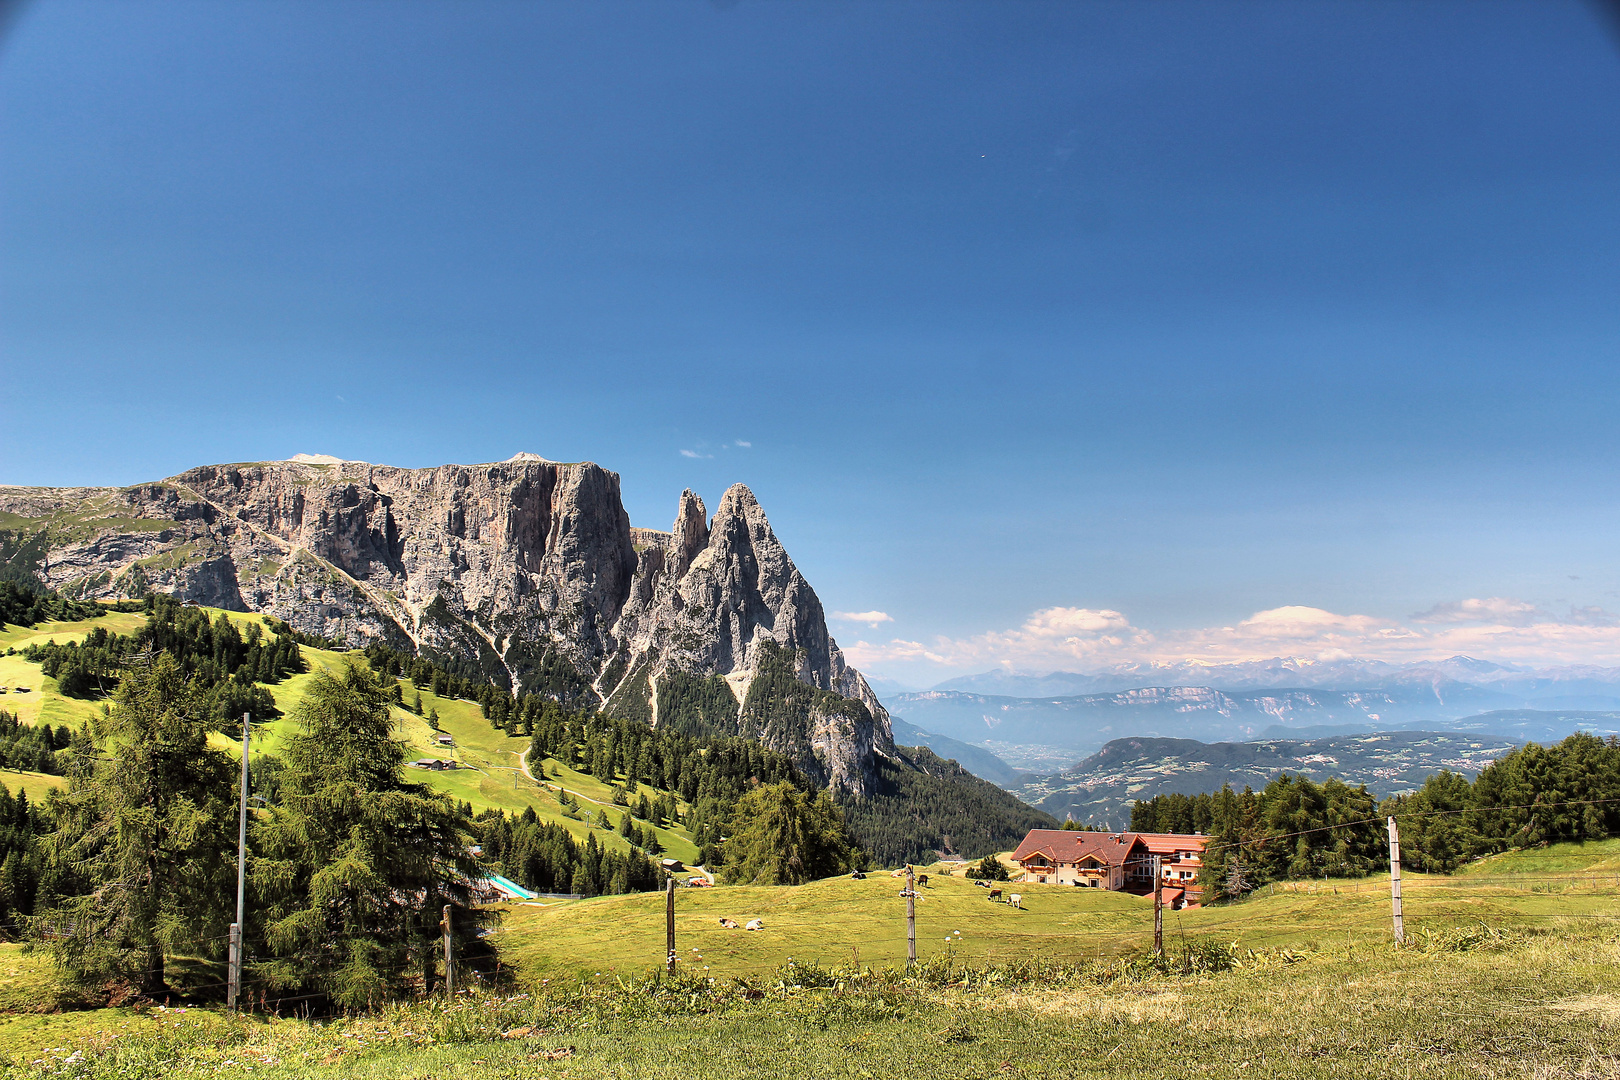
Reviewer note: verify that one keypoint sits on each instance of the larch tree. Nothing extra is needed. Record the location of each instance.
(141, 863)
(355, 862)
(781, 835)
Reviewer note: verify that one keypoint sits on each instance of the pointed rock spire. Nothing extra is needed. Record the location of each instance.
(689, 535)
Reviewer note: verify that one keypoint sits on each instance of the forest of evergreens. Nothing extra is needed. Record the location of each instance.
(710, 752)
(1297, 828)
(216, 657)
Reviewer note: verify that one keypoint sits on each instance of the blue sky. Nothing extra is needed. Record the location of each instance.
(1152, 316)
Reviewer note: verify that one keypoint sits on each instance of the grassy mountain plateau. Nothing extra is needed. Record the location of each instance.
(583, 698)
(524, 576)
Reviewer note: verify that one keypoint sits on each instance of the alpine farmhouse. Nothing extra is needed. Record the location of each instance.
(1121, 861)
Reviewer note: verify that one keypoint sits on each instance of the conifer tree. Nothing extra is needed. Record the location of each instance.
(357, 862)
(782, 836)
(141, 859)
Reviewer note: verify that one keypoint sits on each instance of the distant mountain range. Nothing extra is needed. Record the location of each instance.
(1102, 788)
(1571, 687)
(1044, 722)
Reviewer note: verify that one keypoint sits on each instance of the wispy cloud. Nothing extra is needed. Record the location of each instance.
(870, 618)
(744, 443)
(694, 454)
(1492, 628)
(1491, 609)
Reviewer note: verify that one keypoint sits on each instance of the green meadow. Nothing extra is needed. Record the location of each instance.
(1496, 979)
(1507, 969)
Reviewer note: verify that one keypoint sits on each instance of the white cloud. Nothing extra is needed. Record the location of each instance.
(694, 454)
(1491, 609)
(1055, 635)
(744, 443)
(1068, 621)
(1496, 628)
(870, 618)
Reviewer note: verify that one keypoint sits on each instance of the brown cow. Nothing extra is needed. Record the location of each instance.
(995, 894)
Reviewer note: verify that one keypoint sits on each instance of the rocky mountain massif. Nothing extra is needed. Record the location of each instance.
(526, 573)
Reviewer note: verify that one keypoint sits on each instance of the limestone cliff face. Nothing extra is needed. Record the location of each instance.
(719, 591)
(489, 568)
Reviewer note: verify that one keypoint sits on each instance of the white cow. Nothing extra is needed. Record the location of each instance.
(1016, 900)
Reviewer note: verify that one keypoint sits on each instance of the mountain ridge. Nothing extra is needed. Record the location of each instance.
(1102, 788)
(525, 573)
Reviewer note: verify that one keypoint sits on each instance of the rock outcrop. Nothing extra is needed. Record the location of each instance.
(498, 570)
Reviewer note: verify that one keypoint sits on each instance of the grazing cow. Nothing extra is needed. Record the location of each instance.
(729, 924)
(755, 924)
(982, 884)
(1016, 900)
(995, 894)
(922, 879)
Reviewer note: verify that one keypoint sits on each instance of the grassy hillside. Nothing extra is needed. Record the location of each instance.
(823, 921)
(494, 777)
(42, 703)
(1501, 977)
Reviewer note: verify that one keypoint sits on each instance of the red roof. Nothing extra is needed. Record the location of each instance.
(1171, 843)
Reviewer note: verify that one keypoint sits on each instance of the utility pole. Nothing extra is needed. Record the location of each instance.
(669, 923)
(233, 977)
(1158, 906)
(1395, 881)
(911, 917)
(449, 956)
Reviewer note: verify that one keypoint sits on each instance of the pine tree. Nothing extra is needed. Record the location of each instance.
(782, 836)
(142, 856)
(357, 861)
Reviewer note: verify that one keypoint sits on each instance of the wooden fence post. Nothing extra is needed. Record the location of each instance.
(1158, 906)
(449, 956)
(1395, 881)
(911, 917)
(669, 924)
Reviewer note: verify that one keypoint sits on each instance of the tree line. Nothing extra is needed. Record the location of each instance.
(220, 660)
(24, 602)
(709, 753)
(1297, 828)
(21, 825)
(32, 748)
(544, 857)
